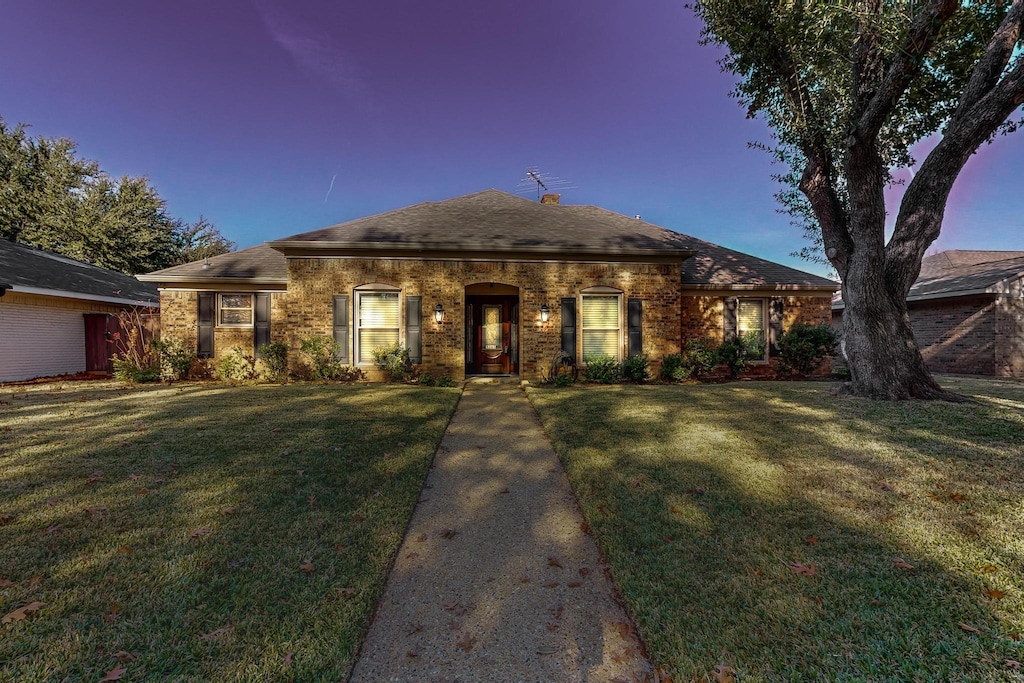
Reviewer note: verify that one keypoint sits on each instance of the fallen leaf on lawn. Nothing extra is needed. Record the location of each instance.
(466, 642)
(421, 538)
(412, 556)
(1013, 664)
(449, 534)
(550, 584)
(288, 659)
(276, 430)
(125, 550)
(803, 569)
(556, 612)
(339, 546)
(661, 675)
(358, 517)
(724, 674)
(201, 531)
(114, 674)
(51, 501)
(551, 626)
(625, 630)
(503, 491)
(811, 540)
(970, 629)
(142, 491)
(574, 584)
(413, 629)
(412, 654)
(93, 478)
(584, 527)
(35, 581)
(312, 500)
(95, 510)
(554, 562)
(4, 583)
(900, 563)
(957, 497)
(217, 633)
(387, 456)
(307, 566)
(988, 568)
(113, 613)
(53, 529)
(123, 656)
(400, 444)
(994, 594)
(346, 592)
(21, 613)
(584, 571)
(6, 518)
(133, 477)
(547, 650)
(887, 518)
(228, 510)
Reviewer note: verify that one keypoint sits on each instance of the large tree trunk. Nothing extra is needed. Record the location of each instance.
(878, 343)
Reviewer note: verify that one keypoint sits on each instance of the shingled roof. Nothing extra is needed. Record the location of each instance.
(497, 222)
(964, 273)
(35, 271)
(255, 265)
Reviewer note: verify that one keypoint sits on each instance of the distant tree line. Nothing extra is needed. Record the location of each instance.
(53, 199)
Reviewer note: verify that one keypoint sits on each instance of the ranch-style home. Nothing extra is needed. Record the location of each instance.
(487, 283)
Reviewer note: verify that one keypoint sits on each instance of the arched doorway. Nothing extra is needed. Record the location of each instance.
(492, 329)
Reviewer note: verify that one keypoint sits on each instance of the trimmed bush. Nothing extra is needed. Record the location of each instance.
(175, 357)
(274, 359)
(129, 370)
(636, 368)
(236, 364)
(603, 370)
(699, 357)
(740, 350)
(803, 347)
(322, 358)
(394, 360)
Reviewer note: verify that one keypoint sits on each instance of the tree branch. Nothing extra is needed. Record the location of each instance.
(907, 62)
(989, 69)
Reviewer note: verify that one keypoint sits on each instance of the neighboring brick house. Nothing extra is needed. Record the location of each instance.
(57, 314)
(486, 283)
(967, 311)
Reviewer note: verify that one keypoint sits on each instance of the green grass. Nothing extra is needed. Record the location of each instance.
(702, 497)
(102, 489)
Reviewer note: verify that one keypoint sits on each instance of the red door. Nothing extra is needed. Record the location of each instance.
(492, 334)
(97, 348)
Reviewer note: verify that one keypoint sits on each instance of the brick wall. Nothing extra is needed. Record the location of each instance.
(179, 314)
(313, 282)
(957, 334)
(702, 314)
(1009, 357)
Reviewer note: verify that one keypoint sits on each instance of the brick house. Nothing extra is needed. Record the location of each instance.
(967, 312)
(486, 283)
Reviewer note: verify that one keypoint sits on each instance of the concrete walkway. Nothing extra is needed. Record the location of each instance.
(495, 580)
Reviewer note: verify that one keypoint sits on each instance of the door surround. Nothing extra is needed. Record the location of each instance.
(492, 329)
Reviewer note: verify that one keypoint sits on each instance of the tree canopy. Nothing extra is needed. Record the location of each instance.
(52, 199)
(848, 88)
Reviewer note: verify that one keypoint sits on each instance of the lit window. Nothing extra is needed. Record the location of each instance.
(235, 310)
(750, 318)
(377, 317)
(601, 326)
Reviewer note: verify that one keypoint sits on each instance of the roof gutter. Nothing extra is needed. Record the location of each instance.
(78, 295)
(830, 289)
(208, 279)
(284, 246)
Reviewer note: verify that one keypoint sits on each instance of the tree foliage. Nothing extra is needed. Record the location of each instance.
(52, 199)
(848, 88)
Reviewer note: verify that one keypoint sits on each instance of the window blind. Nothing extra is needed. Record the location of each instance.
(378, 323)
(600, 326)
(750, 316)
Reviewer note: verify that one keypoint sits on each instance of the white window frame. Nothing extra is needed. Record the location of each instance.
(603, 292)
(765, 311)
(357, 328)
(251, 308)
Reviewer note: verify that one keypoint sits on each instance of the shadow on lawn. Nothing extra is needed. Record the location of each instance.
(701, 497)
(275, 475)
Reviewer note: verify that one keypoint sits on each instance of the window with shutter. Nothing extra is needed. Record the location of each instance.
(601, 325)
(235, 310)
(377, 318)
(751, 318)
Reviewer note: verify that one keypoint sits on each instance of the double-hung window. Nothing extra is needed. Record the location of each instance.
(377, 322)
(751, 318)
(234, 310)
(602, 326)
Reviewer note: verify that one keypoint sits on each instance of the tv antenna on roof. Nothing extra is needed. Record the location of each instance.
(535, 180)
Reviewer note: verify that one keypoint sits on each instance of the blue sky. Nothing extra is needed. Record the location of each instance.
(246, 111)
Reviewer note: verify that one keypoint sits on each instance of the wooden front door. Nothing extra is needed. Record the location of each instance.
(97, 344)
(492, 334)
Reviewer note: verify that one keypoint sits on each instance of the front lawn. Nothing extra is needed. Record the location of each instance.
(202, 532)
(778, 531)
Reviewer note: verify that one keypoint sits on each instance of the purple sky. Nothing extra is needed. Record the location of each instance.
(246, 111)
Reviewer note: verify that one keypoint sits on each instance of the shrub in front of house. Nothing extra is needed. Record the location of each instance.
(636, 368)
(127, 369)
(699, 357)
(238, 365)
(803, 347)
(737, 352)
(174, 357)
(603, 370)
(274, 359)
(321, 361)
(394, 361)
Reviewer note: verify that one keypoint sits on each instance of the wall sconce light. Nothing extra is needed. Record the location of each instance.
(438, 313)
(545, 313)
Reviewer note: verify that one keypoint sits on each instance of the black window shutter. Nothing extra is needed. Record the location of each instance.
(261, 328)
(569, 327)
(774, 324)
(414, 328)
(729, 317)
(341, 326)
(207, 313)
(635, 310)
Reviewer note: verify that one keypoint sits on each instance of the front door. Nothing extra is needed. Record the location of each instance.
(492, 334)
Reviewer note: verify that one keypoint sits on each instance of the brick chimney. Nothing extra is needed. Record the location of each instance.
(551, 198)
